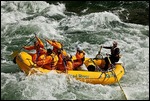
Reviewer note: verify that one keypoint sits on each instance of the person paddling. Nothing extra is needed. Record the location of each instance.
(80, 57)
(64, 61)
(49, 62)
(39, 47)
(114, 56)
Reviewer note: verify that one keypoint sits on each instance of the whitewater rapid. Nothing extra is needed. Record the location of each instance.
(20, 19)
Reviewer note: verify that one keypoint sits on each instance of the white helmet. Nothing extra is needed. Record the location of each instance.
(115, 43)
(79, 48)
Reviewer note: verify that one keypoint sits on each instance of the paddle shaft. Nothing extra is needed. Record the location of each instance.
(65, 64)
(27, 43)
(117, 78)
(100, 49)
(99, 53)
(14, 54)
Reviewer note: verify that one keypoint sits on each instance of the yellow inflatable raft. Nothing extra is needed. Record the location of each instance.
(24, 61)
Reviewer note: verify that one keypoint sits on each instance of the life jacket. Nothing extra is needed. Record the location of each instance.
(69, 65)
(39, 55)
(64, 63)
(80, 55)
(54, 61)
(39, 47)
(78, 59)
(61, 55)
(77, 63)
(115, 52)
(49, 62)
(63, 66)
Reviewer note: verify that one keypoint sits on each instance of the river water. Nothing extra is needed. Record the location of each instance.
(21, 19)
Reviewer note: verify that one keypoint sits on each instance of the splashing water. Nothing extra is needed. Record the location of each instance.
(20, 19)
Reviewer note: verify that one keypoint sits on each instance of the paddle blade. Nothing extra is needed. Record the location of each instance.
(14, 54)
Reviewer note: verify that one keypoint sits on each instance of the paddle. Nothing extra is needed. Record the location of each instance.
(99, 53)
(64, 62)
(65, 65)
(14, 54)
(116, 76)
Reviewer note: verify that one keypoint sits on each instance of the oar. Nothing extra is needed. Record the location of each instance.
(99, 53)
(64, 62)
(116, 77)
(14, 54)
(65, 65)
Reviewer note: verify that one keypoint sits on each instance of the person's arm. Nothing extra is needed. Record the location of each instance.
(54, 43)
(40, 42)
(51, 42)
(28, 47)
(43, 51)
(107, 47)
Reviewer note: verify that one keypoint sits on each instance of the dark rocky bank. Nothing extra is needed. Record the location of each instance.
(134, 11)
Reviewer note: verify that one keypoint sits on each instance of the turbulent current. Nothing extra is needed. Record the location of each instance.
(21, 19)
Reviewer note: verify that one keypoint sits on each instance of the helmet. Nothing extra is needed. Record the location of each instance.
(79, 48)
(49, 51)
(115, 43)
